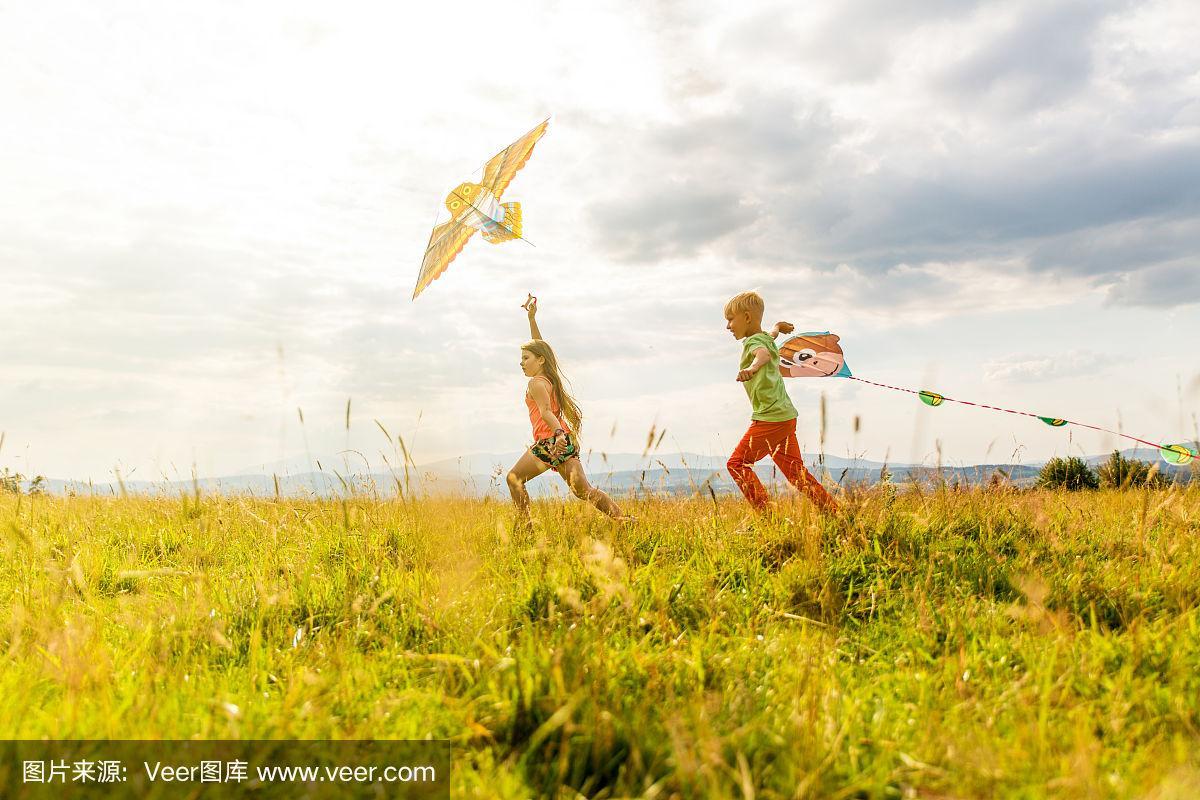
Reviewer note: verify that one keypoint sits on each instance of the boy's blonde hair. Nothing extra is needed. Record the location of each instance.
(748, 302)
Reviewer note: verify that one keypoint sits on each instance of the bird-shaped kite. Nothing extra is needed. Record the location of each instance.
(477, 206)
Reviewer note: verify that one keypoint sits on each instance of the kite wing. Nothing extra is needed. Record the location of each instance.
(446, 242)
(499, 171)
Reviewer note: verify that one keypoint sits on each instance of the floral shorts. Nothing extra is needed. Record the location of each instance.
(543, 450)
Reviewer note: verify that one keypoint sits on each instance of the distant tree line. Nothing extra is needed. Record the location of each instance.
(1117, 472)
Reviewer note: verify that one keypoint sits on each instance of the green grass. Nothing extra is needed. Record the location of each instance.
(948, 644)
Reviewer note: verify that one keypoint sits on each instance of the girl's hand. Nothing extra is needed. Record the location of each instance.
(530, 305)
(784, 327)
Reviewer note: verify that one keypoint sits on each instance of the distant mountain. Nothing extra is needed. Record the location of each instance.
(482, 474)
(594, 461)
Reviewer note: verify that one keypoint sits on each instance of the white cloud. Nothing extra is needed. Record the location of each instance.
(1049, 366)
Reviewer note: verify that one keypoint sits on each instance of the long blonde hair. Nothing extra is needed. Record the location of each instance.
(566, 404)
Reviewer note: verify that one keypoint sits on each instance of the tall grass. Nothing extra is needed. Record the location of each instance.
(983, 643)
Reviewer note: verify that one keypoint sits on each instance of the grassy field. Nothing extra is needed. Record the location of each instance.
(939, 644)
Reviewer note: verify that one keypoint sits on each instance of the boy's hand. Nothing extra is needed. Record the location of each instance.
(745, 375)
(784, 327)
(530, 305)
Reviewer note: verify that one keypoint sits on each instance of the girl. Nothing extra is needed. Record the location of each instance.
(556, 420)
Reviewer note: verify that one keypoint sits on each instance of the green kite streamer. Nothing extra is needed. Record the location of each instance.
(931, 398)
(1178, 453)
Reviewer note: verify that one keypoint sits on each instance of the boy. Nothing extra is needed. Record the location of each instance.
(773, 418)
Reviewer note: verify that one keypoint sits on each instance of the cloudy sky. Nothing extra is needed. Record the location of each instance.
(212, 215)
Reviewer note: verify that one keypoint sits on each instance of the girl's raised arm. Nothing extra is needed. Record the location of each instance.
(530, 306)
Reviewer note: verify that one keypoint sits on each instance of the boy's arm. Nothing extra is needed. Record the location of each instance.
(530, 306)
(761, 356)
(781, 327)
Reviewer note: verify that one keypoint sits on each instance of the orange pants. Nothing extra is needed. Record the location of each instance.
(777, 439)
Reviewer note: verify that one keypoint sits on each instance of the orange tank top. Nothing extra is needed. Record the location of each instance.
(540, 429)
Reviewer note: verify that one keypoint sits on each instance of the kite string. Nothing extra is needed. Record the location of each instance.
(1008, 410)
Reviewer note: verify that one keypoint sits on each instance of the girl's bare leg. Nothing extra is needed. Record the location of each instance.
(572, 472)
(526, 469)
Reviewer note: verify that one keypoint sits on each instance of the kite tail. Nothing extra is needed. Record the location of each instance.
(1173, 453)
(509, 229)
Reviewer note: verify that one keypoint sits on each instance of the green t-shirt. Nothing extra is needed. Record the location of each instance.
(768, 397)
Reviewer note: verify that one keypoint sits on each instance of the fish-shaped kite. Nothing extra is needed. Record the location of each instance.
(812, 355)
(818, 354)
(477, 207)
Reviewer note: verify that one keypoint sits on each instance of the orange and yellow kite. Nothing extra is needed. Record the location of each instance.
(476, 206)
